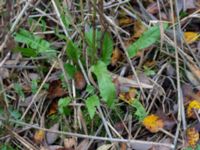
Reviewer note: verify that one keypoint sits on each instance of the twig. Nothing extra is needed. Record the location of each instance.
(177, 75)
(93, 137)
(59, 17)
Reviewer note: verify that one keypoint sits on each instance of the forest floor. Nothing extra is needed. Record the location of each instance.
(99, 74)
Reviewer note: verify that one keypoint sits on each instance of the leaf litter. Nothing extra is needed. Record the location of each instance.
(99, 74)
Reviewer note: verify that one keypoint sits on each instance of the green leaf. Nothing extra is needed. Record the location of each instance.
(27, 52)
(106, 86)
(19, 90)
(90, 89)
(91, 103)
(197, 147)
(107, 48)
(89, 37)
(62, 105)
(6, 147)
(93, 44)
(73, 52)
(140, 110)
(148, 38)
(70, 70)
(34, 86)
(40, 45)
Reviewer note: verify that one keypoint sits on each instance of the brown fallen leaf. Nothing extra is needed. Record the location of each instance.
(125, 21)
(195, 70)
(116, 56)
(139, 29)
(83, 145)
(192, 136)
(153, 123)
(53, 108)
(69, 142)
(192, 78)
(39, 136)
(123, 146)
(52, 137)
(80, 82)
(56, 89)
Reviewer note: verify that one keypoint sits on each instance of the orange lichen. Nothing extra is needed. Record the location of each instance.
(153, 123)
(193, 105)
(192, 136)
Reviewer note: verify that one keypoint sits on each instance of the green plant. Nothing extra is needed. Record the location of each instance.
(94, 44)
(91, 103)
(6, 147)
(148, 71)
(148, 38)
(62, 105)
(19, 91)
(35, 44)
(34, 86)
(140, 112)
(106, 86)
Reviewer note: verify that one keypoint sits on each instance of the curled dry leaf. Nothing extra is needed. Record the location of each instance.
(69, 142)
(39, 136)
(116, 56)
(192, 78)
(192, 136)
(153, 123)
(53, 108)
(80, 82)
(191, 37)
(195, 70)
(193, 105)
(50, 136)
(125, 21)
(56, 89)
(139, 29)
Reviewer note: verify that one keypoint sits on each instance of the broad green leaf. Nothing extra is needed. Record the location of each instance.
(89, 37)
(43, 25)
(62, 105)
(34, 86)
(90, 89)
(40, 45)
(73, 52)
(106, 86)
(140, 110)
(148, 38)
(27, 52)
(65, 15)
(107, 48)
(70, 70)
(93, 44)
(91, 103)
